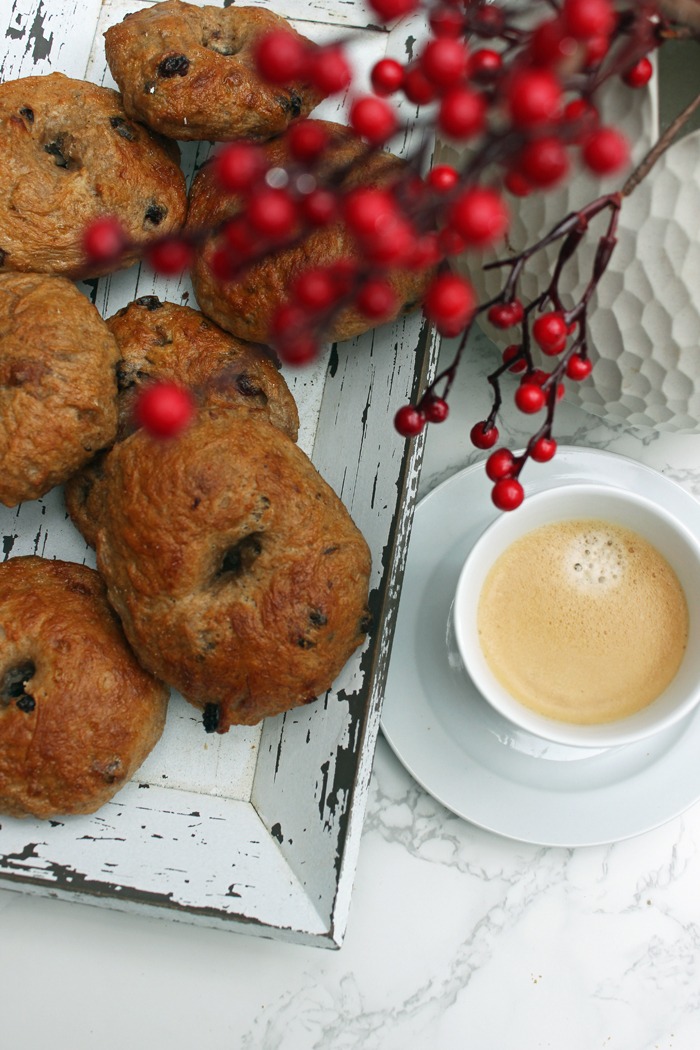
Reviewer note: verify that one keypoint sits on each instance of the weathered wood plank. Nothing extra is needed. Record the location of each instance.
(46, 37)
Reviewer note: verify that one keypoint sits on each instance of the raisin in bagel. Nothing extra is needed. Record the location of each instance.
(164, 341)
(78, 715)
(246, 305)
(189, 72)
(237, 573)
(71, 155)
(57, 384)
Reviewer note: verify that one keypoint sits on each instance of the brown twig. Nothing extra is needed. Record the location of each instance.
(659, 148)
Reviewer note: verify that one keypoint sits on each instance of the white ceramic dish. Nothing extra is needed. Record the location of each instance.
(466, 755)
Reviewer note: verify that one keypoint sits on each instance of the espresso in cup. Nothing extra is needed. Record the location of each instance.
(583, 621)
(577, 616)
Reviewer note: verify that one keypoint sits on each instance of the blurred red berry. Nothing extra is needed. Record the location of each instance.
(329, 71)
(307, 140)
(417, 88)
(516, 183)
(238, 166)
(388, 10)
(480, 216)
(104, 240)
(534, 97)
(449, 303)
(170, 257)
(485, 65)
(443, 178)
(164, 409)
(387, 76)
(446, 22)
(588, 18)
(272, 213)
(376, 299)
(318, 208)
(605, 151)
(444, 61)
(543, 162)
(280, 56)
(462, 113)
(374, 119)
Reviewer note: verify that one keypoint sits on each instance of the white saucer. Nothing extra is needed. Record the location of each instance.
(460, 750)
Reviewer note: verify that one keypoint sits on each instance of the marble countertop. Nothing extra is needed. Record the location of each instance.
(457, 938)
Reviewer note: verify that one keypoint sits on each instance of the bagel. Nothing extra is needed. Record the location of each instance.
(57, 384)
(78, 715)
(238, 574)
(189, 72)
(246, 305)
(163, 341)
(71, 155)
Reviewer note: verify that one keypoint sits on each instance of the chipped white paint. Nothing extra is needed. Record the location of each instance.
(257, 830)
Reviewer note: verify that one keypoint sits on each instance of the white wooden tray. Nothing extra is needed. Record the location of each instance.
(257, 830)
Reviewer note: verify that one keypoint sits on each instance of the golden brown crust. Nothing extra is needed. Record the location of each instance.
(160, 340)
(246, 305)
(71, 155)
(189, 72)
(78, 715)
(57, 384)
(237, 572)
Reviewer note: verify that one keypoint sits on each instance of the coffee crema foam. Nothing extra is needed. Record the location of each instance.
(583, 621)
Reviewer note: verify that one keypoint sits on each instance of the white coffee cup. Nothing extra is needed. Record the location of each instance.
(615, 506)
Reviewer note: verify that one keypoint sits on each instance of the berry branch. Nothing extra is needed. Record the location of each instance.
(515, 90)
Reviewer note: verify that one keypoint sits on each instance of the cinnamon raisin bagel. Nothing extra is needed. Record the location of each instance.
(70, 155)
(189, 72)
(57, 384)
(246, 305)
(78, 714)
(237, 573)
(164, 341)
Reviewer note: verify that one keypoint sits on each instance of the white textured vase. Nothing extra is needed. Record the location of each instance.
(644, 320)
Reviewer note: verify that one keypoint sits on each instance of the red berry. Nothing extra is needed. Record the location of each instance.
(170, 257)
(446, 22)
(436, 409)
(517, 184)
(550, 332)
(530, 397)
(387, 76)
(443, 178)
(104, 240)
(164, 409)
(550, 43)
(605, 151)
(583, 115)
(369, 208)
(417, 88)
(500, 464)
(505, 315)
(485, 64)
(444, 61)
(426, 252)
(640, 74)
(449, 303)
(318, 208)
(543, 449)
(588, 18)
(543, 162)
(329, 71)
(374, 119)
(272, 213)
(578, 368)
(514, 353)
(315, 289)
(409, 421)
(462, 113)
(388, 10)
(376, 299)
(307, 140)
(297, 350)
(483, 435)
(222, 264)
(596, 50)
(480, 216)
(280, 56)
(239, 237)
(391, 244)
(507, 494)
(534, 97)
(238, 166)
